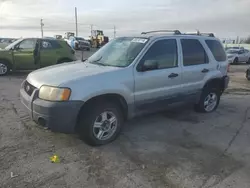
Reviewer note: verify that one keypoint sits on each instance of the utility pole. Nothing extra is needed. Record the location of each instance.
(76, 21)
(114, 32)
(42, 24)
(91, 30)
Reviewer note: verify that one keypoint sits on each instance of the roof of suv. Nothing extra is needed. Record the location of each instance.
(175, 34)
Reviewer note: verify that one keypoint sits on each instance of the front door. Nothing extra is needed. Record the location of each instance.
(24, 55)
(159, 84)
(49, 52)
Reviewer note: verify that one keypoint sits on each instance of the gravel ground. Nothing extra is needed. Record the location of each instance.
(177, 148)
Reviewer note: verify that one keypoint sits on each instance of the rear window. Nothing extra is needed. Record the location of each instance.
(217, 50)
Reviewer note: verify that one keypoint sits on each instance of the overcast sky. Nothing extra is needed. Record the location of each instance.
(226, 18)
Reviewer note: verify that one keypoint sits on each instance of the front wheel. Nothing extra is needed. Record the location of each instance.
(100, 124)
(209, 100)
(4, 68)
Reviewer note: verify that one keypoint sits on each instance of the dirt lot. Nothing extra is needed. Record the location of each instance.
(177, 148)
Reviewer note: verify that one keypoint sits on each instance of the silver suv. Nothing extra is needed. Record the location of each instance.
(127, 77)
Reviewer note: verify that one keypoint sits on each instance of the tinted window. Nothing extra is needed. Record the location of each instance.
(27, 44)
(49, 44)
(217, 50)
(164, 53)
(193, 52)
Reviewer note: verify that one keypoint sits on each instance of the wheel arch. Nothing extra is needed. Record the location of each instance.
(111, 97)
(65, 59)
(8, 61)
(214, 83)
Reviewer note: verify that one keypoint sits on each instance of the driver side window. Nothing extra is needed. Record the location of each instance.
(27, 44)
(163, 53)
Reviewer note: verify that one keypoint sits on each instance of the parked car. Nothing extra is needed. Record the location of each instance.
(238, 55)
(78, 43)
(6, 41)
(127, 77)
(33, 53)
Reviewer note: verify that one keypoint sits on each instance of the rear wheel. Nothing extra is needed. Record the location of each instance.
(4, 68)
(100, 123)
(209, 100)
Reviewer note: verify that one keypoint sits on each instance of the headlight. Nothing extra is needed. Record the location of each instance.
(230, 56)
(54, 93)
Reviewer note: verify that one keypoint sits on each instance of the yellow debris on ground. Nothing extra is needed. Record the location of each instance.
(54, 159)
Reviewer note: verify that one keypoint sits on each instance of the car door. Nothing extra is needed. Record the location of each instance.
(49, 52)
(246, 55)
(241, 55)
(23, 54)
(195, 65)
(160, 82)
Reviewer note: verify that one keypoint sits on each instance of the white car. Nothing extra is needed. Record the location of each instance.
(238, 55)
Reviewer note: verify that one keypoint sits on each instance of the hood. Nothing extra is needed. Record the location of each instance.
(57, 75)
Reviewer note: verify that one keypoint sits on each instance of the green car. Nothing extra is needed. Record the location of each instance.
(34, 53)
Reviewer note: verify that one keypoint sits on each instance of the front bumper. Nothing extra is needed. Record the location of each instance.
(57, 116)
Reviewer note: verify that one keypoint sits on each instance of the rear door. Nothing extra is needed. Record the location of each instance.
(49, 52)
(195, 64)
(157, 87)
(24, 58)
(219, 55)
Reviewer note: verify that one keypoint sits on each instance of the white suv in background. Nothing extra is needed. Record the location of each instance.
(127, 77)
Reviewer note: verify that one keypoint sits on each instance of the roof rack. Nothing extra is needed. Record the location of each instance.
(176, 32)
(201, 34)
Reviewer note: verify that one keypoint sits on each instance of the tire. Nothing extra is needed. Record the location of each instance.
(236, 60)
(93, 115)
(248, 62)
(212, 92)
(248, 74)
(4, 68)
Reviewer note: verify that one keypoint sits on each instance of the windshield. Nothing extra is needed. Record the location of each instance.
(119, 52)
(232, 51)
(13, 44)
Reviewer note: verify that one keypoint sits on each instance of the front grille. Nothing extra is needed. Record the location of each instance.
(28, 88)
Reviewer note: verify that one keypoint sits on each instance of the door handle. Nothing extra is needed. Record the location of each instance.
(173, 75)
(205, 70)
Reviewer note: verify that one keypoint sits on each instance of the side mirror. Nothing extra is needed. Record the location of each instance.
(149, 65)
